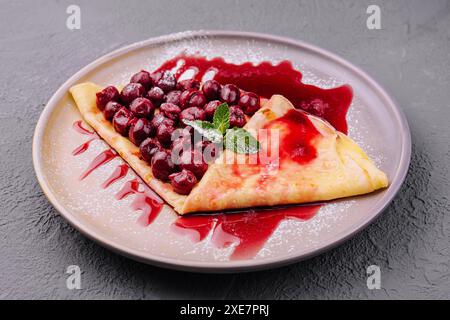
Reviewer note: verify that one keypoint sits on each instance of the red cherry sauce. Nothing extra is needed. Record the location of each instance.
(296, 140)
(266, 79)
(78, 127)
(146, 200)
(101, 159)
(296, 132)
(119, 173)
(247, 231)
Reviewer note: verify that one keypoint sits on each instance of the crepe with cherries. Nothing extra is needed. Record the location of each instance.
(271, 155)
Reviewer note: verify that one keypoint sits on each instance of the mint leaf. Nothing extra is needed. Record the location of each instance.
(206, 129)
(241, 141)
(221, 118)
(236, 139)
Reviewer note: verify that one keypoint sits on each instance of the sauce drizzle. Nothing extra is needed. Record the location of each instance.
(101, 159)
(296, 140)
(266, 79)
(119, 173)
(82, 148)
(78, 127)
(146, 200)
(246, 231)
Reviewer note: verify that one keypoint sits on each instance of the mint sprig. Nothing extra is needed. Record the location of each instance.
(221, 119)
(236, 139)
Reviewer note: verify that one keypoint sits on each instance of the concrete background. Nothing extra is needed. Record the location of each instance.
(410, 56)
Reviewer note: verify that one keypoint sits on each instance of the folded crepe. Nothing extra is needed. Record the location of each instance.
(329, 166)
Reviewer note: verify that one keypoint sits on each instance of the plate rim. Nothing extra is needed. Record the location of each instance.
(219, 266)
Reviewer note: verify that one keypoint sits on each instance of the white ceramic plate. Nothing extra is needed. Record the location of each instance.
(375, 122)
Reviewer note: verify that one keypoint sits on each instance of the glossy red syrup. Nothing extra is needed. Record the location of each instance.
(98, 161)
(297, 137)
(119, 173)
(78, 127)
(266, 80)
(297, 133)
(82, 148)
(146, 200)
(247, 231)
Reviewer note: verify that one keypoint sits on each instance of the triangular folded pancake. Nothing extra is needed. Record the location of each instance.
(338, 169)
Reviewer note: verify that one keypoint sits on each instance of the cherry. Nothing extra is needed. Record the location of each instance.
(156, 95)
(182, 142)
(162, 165)
(192, 98)
(185, 133)
(211, 89)
(179, 145)
(197, 99)
(167, 82)
(148, 148)
(142, 77)
(164, 133)
(237, 117)
(106, 95)
(173, 97)
(110, 109)
(140, 130)
(209, 150)
(170, 110)
(122, 120)
(183, 182)
(131, 91)
(156, 76)
(194, 162)
(192, 113)
(132, 122)
(188, 84)
(249, 103)
(159, 118)
(210, 108)
(230, 94)
(184, 98)
(142, 108)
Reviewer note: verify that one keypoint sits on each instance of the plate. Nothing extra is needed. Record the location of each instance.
(375, 122)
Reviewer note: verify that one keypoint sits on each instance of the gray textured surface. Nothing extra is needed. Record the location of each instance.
(410, 56)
